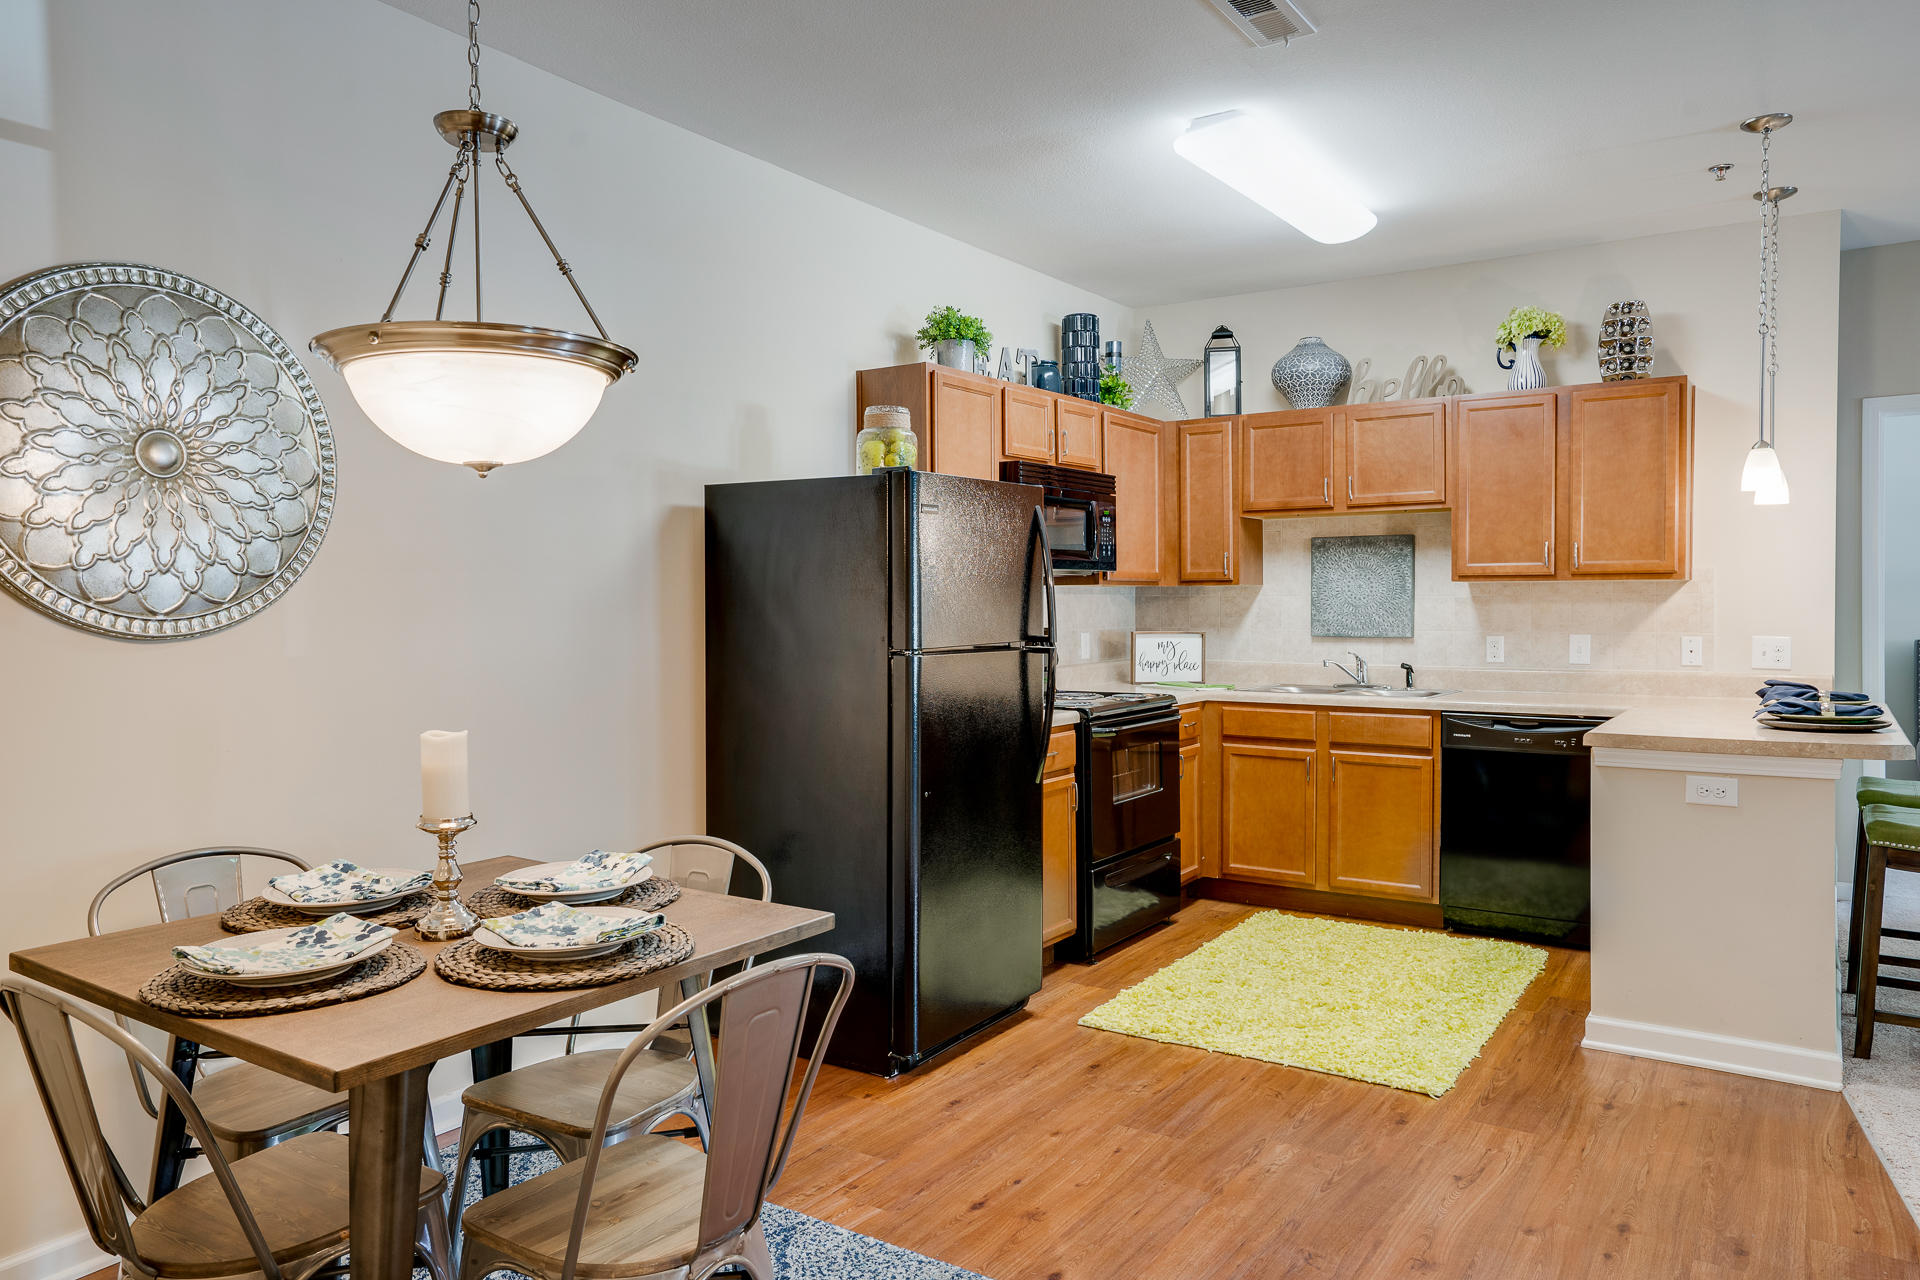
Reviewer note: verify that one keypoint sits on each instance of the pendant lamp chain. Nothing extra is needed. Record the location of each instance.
(473, 55)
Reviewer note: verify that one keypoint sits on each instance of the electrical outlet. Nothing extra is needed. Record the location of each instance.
(1772, 652)
(1691, 648)
(1705, 790)
(1086, 645)
(1496, 648)
(1579, 651)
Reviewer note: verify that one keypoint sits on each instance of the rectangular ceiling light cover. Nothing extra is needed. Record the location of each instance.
(1265, 22)
(1270, 165)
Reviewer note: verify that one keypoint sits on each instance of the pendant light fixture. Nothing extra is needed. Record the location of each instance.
(1761, 474)
(476, 392)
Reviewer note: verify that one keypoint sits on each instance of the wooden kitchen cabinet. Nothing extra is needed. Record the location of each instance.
(1395, 453)
(1076, 429)
(1629, 478)
(1026, 424)
(1380, 824)
(1268, 814)
(1504, 485)
(1191, 787)
(1286, 461)
(967, 409)
(1136, 453)
(1059, 839)
(1215, 543)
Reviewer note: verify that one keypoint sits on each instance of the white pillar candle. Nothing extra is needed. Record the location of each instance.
(443, 775)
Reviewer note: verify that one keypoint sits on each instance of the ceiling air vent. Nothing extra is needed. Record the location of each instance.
(1265, 22)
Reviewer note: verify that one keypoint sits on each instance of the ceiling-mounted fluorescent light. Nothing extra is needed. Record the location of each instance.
(1269, 165)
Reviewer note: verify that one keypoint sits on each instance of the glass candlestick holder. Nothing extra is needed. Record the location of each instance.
(447, 917)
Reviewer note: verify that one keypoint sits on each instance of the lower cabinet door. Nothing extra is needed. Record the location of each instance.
(1059, 825)
(1267, 813)
(1189, 811)
(1380, 838)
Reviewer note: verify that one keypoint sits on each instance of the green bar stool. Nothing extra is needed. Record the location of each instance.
(1892, 836)
(1903, 792)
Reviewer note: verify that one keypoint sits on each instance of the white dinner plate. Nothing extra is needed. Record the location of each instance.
(576, 897)
(296, 978)
(494, 942)
(359, 908)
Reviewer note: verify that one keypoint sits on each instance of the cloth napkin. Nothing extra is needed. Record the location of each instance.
(1814, 707)
(346, 882)
(598, 870)
(330, 941)
(555, 924)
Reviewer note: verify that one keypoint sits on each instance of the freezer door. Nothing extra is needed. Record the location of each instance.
(973, 868)
(968, 564)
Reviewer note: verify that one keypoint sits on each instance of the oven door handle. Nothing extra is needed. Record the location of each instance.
(1139, 867)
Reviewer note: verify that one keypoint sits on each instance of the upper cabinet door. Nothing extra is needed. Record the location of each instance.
(1207, 516)
(965, 434)
(1629, 477)
(1503, 486)
(1026, 424)
(1396, 453)
(1076, 429)
(1136, 456)
(1286, 461)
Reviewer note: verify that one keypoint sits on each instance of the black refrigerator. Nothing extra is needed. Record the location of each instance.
(880, 665)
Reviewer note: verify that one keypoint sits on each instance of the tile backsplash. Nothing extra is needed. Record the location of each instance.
(1635, 626)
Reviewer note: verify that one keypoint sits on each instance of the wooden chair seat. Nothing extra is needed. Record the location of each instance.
(298, 1191)
(645, 1219)
(250, 1106)
(560, 1095)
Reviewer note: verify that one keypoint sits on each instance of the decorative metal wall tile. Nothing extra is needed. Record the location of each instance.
(1363, 586)
(166, 469)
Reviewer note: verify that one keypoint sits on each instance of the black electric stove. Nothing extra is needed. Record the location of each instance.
(1129, 776)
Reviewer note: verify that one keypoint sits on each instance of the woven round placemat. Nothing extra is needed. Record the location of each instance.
(469, 964)
(179, 990)
(649, 895)
(256, 914)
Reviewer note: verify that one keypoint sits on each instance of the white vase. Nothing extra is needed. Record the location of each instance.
(1526, 370)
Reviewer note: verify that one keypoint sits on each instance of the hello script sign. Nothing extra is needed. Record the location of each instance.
(1168, 655)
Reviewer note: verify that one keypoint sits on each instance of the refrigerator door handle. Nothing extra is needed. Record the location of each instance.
(1044, 559)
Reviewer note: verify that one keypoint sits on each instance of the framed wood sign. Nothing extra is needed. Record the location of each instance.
(1169, 655)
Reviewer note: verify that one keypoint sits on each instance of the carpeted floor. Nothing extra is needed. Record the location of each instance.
(1884, 1090)
(803, 1248)
(1400, 1007)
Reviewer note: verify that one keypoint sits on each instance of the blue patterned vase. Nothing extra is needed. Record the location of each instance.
(1312, 375)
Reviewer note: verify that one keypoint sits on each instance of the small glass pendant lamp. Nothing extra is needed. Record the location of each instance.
(479, 393)
(1761, 473)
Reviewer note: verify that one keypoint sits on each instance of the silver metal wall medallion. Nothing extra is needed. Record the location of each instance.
(166, 468)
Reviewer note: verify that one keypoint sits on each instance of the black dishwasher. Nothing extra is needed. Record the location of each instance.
(1514, 836)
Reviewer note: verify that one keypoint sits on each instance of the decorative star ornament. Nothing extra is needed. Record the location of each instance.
(1154, 376)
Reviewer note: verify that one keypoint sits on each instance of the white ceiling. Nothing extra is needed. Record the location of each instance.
(1041, 129)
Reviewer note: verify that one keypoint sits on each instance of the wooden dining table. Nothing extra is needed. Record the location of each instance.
(379, 1049)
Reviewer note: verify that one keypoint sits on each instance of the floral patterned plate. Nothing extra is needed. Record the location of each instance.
(289, 957)
(543, 919)
(345, 886)
(597, 877)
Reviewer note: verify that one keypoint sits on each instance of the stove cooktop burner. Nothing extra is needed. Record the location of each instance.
(1095, 704)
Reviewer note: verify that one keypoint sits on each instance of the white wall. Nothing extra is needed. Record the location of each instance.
(1757, 570)
(284, 152)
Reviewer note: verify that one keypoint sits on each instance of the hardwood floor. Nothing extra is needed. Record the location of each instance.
(1057, 1152)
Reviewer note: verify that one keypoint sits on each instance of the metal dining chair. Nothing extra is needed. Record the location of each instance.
(206, 1229)
(247, 1108)
(651, 1206)
(554, 1100)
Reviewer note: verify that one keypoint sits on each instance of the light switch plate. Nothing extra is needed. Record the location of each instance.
(1496, 648)
(1691, 649)
(1579, 651)
(1772, 653)
(1705, 790)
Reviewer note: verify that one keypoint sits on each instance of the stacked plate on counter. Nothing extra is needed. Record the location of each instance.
(1788, 705)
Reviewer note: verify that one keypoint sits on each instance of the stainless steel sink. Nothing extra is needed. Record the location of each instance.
(1347, 690)
(1315, 689)
(1376, 692)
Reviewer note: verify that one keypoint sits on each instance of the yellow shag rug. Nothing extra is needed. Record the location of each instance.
(1398, 1007)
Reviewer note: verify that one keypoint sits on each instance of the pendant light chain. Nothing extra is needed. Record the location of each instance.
(1773, 320)
(1766, 308)
(473, 55)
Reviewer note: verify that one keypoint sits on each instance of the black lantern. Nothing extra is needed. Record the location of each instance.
(1222, 377)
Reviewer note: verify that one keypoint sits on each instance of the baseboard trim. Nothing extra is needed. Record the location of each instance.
(1761, 1058)
(66, 1258)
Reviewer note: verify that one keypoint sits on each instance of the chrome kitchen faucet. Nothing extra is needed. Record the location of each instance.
(1359, 662)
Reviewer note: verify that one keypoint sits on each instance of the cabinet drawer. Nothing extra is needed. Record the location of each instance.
(1286, 723)
(1377, 729)
(1062, 750)
(1189, 722)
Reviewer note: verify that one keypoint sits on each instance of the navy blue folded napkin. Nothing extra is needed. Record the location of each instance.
(1814, 707)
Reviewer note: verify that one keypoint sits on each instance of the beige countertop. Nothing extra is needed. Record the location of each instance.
(1638, 721)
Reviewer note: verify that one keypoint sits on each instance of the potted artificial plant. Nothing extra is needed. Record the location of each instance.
(956, 339)
(1115, 390)
(1521, 333)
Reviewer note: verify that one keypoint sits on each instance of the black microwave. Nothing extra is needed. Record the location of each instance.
(1077, 511)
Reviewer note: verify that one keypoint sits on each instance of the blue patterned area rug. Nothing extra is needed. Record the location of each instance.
(803, 1248)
